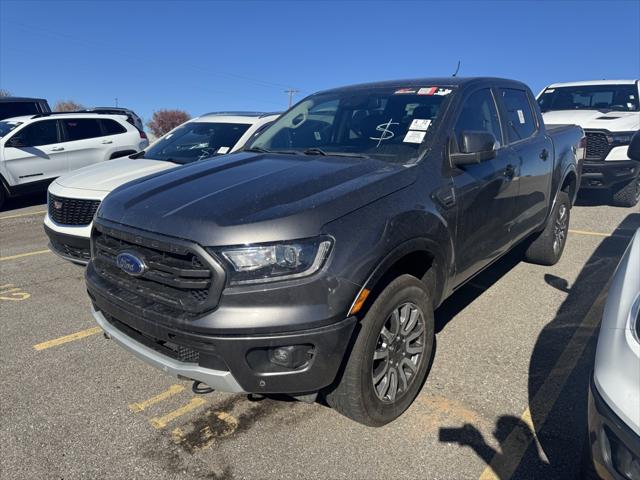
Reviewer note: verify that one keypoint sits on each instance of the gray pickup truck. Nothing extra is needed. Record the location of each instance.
(311, 262)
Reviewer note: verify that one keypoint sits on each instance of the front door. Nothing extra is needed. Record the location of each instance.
(485, 192)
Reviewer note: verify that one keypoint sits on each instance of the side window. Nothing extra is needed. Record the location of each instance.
(520, 121)
(111, 127)
(44, 132)
(82, 128)
(479, 114)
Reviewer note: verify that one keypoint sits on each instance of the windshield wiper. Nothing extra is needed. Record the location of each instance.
(139, 154)
(318, 151)
(256, 150)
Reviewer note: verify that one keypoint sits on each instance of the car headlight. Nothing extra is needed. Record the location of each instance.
(277, 261)
(621, 138)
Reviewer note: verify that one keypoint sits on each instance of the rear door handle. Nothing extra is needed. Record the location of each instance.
(107, 141)
(544, 154)
(57, 149)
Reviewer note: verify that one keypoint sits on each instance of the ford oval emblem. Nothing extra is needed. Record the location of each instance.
(130, 263)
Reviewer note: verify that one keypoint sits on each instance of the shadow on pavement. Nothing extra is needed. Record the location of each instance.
(594, 198)
(24, 201)
(560, 424)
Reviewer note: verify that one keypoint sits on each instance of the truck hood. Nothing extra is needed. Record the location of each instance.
(106, 176)
(251, 198)
(594, 119)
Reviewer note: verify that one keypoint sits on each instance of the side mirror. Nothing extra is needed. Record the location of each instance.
(15, 142)
(475, 147)
(633, 152)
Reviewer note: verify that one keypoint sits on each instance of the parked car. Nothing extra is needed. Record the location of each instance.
(614, 399)
(36, 149)
(19, 106)
(74, 198)
(609, 112)
(312, 261)
(132, 117)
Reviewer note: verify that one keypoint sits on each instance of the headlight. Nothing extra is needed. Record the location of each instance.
(621, 138)
(277, 261)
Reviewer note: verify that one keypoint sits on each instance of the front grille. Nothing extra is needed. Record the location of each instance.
(176, 281)
(72, 211)
(597, 146)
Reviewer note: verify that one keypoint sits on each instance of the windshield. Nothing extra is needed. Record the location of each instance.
(6, 127)
(392, 124)
(591, 97)
(195, 141)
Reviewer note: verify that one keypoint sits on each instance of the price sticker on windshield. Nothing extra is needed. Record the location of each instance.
(414, 136)
(420, 124)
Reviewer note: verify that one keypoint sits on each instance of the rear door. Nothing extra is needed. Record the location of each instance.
(85, 142)
(41, 156)
(485, 193)
(533, 152)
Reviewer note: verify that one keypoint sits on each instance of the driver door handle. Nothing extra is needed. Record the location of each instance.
(57, 149)
(107, 141)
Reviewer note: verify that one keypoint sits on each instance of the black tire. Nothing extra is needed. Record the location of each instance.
(628, 195)
(3, 196)
(355, 396)
(547, 248)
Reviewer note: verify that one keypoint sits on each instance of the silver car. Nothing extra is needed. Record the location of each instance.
(614, 396)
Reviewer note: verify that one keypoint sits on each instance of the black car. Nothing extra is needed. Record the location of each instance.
(19, 106)
(312, 262)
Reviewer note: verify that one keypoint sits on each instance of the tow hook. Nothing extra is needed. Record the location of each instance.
(199, 390)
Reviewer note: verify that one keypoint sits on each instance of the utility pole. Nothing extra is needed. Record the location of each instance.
(291, 92)
(116, 101)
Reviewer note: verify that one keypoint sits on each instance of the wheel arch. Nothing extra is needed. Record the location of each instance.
(570, 184)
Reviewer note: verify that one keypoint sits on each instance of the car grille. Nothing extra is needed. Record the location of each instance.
(80, 254)
(72, 211)
(597, 146)
(176, 277)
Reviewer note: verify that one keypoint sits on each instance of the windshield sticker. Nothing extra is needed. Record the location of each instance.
(434, 91)
(521, 116)
(385, 134)
(420, 124)
(223, 150)
(404, 91)
(317, 136)
(414, 136)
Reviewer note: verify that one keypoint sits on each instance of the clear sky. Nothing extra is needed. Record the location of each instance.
(205, 56)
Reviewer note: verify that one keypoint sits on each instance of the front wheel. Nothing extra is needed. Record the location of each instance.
(547, 248)
(391, 356)
(628, 195)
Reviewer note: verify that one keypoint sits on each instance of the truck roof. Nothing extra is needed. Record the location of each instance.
(239, 114)
(431, 81)
(20, 99)
(593, 82)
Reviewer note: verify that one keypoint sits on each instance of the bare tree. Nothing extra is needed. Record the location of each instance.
(164, 120)
(67, 106)
(4, 93)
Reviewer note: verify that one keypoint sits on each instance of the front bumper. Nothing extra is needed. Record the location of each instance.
(608, 436)
(232, 363)
(609, 173)
(70, 247)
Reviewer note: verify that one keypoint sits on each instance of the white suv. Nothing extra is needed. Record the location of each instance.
(35, 149)
(74, 198)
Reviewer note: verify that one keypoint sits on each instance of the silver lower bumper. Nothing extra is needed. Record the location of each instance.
(216, 379)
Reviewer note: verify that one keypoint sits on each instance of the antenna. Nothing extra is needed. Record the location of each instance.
(457, 69)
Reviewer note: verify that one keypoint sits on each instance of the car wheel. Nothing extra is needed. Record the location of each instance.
(391, 355)
(629, 195)
(547, 248)
(3, 195)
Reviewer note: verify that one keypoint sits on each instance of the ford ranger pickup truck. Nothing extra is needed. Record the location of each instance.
(609, 113)
(311, 262)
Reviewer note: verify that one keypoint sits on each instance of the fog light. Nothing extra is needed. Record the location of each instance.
(291, 356)
(622, 459)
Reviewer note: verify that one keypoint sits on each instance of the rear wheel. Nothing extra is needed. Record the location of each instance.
(3, 195)
(390, 357)
(628, 195)
(547, 248)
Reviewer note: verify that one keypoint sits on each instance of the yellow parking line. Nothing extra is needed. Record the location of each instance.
(517, 443)
(23, 214)
(592, 234)
(161, 422)
(21, 255)
(67, 338)
(140, 406)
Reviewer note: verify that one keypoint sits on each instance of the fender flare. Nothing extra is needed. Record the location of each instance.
(570, 169)
(436, 281)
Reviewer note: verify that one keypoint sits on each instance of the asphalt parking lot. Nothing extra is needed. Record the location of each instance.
(506, 397)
